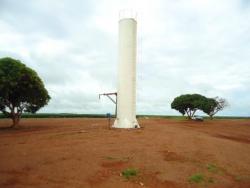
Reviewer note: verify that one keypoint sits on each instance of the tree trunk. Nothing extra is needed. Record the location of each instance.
(15, 119)
(193, 113)
(189, 113)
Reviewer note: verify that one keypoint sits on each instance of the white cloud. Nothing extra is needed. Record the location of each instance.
(184, 46)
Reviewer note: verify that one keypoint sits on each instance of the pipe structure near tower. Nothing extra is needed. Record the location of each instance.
(126, 94)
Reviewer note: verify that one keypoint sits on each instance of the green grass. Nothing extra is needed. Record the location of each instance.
(72, 115)
(124, 159)
(212, 168)
(201, 179)
(129, 172)
(110, 158)
(196, 178)
(60, 115)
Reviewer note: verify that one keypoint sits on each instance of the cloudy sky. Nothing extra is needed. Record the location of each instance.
(184, 46)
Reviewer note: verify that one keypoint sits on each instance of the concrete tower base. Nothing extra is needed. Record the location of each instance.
(125, 123)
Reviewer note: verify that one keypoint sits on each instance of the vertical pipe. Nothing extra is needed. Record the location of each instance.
(126, 95)
(116, 105)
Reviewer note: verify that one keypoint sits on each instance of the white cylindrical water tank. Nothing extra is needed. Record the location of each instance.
(126, 93)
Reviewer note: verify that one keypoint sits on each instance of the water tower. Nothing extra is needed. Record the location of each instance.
(126, 88)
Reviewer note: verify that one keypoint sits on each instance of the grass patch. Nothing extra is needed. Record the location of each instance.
(196, 178)
(212, 168)
(201, 179)
(59, 115)
(110, 158)
(129, 172)
(124, 159)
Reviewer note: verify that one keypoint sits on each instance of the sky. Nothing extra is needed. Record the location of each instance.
(184, 47)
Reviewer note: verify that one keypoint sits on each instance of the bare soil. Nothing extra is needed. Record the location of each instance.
(85, 153)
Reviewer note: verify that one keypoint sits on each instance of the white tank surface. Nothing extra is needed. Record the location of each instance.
(126, 93)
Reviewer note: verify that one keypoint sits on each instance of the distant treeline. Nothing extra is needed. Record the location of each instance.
(60, 115)
(69, 115)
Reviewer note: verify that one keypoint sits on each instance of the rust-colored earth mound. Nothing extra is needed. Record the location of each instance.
(72, 153)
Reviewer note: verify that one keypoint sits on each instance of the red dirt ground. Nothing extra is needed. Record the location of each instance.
(84, 153)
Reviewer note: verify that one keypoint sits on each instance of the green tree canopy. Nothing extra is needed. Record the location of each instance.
(21, 89)
(188, 104)
(213, 105)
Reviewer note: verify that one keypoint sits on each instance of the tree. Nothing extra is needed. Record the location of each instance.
(188, 104)
(214, 105)
(208, 106)
(21, 90)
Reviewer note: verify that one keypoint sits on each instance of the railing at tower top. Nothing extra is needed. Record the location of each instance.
(127, 13)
